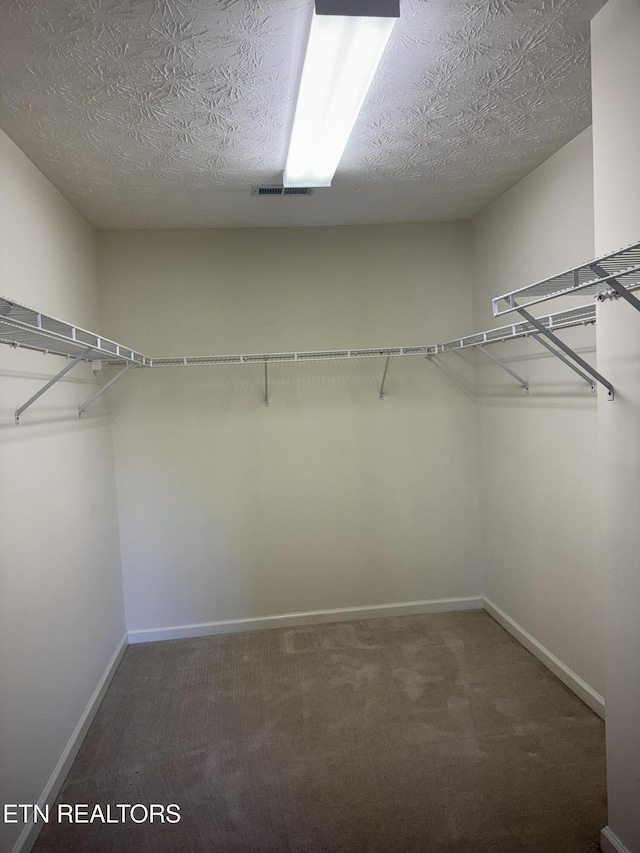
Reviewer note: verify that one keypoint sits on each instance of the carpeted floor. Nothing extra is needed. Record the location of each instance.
(405, 735)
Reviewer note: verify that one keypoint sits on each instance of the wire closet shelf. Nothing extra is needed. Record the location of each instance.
(583, 315)
(23, 327)
(617, 273)
(614, 276)
(29, 329)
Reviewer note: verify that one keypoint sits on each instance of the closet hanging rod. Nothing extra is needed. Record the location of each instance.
(599, 277)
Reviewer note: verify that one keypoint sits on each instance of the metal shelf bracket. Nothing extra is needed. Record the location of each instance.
(84, 406)
(565, 349)
(566, 361)
(52, 382)
(266, 385)
(501, 364)
(384, 376)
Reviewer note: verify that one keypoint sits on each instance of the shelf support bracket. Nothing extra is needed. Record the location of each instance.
(618, 288)
(384, 376)
(542, 329)
(266, 384)
(84, 406)
(566, 361)
(52, 382)
(501, 364)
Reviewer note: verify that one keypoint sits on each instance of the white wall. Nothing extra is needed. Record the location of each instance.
(61, 607)
(615, 36)
(330, 498)
(538, 452)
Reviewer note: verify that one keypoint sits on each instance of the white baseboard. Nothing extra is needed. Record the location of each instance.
(610, 843)
(30, 833)
(580, 687)
(311, 617)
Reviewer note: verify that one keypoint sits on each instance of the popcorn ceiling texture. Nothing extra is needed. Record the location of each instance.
(162, 113)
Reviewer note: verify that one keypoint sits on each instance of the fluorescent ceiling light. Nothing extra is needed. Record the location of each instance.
(342, 56)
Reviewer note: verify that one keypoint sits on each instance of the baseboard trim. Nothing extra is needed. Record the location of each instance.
(580, 687)
(311, 617)
(30, 833)
(610, 843)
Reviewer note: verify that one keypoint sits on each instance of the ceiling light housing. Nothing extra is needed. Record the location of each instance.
(346, 42)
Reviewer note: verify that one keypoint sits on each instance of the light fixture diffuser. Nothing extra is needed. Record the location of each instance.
(346, 43)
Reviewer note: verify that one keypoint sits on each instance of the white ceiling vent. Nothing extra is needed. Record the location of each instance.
(275, 189)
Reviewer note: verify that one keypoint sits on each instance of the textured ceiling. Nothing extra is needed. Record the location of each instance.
(163, 113)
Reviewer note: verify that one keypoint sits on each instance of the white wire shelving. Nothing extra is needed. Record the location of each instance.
(582, 315)
(585, 314)
(26, 328)
(615, 275)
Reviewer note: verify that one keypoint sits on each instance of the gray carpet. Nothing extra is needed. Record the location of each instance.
(422, 733)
